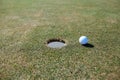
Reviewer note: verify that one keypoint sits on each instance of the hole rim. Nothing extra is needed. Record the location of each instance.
(56, 40)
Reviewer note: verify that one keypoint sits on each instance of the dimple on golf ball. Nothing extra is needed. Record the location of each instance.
(83, 40)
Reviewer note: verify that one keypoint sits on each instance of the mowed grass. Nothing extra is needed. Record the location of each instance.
(26, 25)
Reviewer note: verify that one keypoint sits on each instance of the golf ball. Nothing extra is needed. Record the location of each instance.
(83, 40)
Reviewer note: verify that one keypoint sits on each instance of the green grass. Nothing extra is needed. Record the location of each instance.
(26, 25)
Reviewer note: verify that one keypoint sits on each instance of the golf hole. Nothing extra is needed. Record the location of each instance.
(56, 43)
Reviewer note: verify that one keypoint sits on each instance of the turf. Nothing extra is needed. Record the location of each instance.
(26, 25)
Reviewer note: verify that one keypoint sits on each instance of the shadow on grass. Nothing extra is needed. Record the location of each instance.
(88, 45)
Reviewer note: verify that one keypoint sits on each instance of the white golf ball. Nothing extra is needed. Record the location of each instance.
(83, 40)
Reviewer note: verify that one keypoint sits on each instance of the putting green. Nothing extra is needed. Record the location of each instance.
(26, 25)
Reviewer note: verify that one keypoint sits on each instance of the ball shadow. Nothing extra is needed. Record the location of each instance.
(88, 45)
